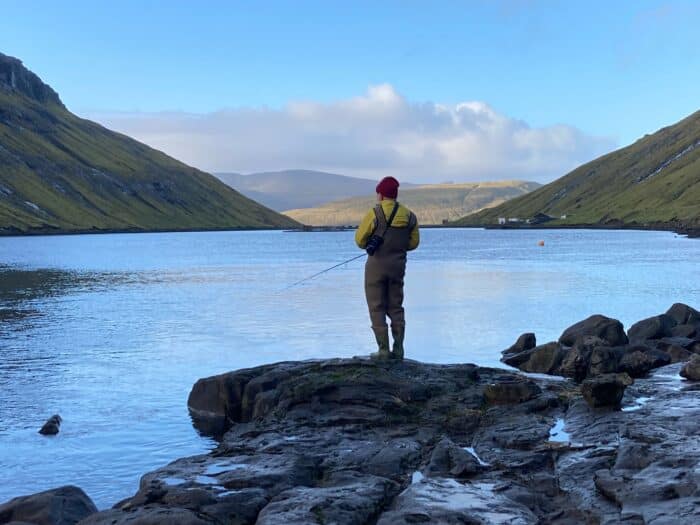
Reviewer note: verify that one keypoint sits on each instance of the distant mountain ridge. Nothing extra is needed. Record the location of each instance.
(61, 173)
(290, 189)
(433, 204)
(654, 182)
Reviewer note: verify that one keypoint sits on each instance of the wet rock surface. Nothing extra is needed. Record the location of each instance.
(354, 441)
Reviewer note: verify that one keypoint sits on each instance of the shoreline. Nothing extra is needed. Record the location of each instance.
(7, 232)
(692, 232)
(679, 229)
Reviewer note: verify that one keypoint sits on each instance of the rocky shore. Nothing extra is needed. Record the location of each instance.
(600, 426)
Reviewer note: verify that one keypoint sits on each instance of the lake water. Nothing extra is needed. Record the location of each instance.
(111, 331)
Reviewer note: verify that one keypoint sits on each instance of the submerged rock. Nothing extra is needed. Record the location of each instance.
(52, 426)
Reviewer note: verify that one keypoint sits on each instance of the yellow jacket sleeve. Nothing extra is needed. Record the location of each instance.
(414, 239)
(365, 229)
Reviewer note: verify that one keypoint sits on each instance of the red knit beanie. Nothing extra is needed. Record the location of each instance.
(388, 187)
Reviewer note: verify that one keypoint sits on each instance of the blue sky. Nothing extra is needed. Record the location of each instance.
(611, 70)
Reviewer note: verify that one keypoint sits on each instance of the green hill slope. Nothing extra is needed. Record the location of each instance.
(432, 204)
(653, 182)
(293, 189)
(59, 172)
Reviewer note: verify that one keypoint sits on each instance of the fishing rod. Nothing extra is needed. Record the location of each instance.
(324, 271)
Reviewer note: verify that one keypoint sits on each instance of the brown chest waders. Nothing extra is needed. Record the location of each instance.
(384, 274)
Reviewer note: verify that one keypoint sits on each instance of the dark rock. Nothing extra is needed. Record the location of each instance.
(525, 342)
(544, 359)
(62, 506)
(448, 501)
(684, 342)
(638, 360)
(652, 328)
(590, 355)
(678, 353)
(347, 497)
(684, 314)
(148, 516)
(607, 329)
(509, 392)
(691, 370)
(605, 390)
(684, 330)
(52, 426)
(604, 360)
(449, 460)
(15, 77)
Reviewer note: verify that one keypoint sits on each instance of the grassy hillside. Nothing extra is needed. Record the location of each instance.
(290, 189)
(654, 181)
(59, 172)
(432, 203)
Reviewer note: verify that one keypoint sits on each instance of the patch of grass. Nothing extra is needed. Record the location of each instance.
(61, 172)
(432, 204)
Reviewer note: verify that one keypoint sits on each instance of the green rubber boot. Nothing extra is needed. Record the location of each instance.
(398, 332)
(381, 334)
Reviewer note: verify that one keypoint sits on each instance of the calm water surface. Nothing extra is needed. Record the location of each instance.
(111, 331)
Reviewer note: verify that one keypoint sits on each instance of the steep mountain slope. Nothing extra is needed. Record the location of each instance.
(290, 189)
(59, 172)
(655, 181)
(433, 204)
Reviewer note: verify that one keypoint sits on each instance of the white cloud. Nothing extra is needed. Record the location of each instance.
(377, 134)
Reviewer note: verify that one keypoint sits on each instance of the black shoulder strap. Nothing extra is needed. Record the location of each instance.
(393, 214)
(382, 224)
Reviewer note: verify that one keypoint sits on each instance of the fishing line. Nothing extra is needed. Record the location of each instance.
(322, 272)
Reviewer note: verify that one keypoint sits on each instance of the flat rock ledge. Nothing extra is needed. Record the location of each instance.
(352, 441)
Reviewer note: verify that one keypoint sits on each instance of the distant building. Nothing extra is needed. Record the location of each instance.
(540, 218)
(514, 219)
(501, 220)
(563, 217)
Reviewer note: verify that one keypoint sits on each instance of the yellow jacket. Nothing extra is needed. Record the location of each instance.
(369, 223)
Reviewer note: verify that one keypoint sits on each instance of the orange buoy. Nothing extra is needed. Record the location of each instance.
(541, 243)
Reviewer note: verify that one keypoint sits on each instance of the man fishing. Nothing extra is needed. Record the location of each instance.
(387, 232)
